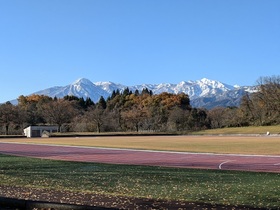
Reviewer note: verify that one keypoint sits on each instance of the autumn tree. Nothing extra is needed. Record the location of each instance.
(32, 106)
(36, 99)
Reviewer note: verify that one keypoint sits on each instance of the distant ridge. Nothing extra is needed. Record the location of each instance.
(204, 93)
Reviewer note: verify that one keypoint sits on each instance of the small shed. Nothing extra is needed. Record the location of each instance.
(37, 131)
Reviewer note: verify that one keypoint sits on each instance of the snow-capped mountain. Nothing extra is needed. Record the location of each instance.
(203, 93)
(80, 88)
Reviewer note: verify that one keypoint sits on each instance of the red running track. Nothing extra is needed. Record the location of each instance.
(261, 163)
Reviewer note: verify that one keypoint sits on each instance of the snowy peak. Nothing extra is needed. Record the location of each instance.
(109, 87)
(201, 88)
(81, 85)
(215, 84)
(80, 88)
(82, 82)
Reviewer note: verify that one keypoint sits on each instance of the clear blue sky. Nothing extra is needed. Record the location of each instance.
(45, 43)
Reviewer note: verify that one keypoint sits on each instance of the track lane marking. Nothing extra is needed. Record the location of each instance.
(267, 164)
(146, 150)
(227, 161)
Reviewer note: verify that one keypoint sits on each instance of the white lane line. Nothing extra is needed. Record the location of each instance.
(145, 150)
(277, 164)
(220, 166)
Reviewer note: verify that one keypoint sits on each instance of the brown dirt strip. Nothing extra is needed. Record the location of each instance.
(258, 163)
(78, 201)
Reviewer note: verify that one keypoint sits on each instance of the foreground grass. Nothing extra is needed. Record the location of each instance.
(208, 186)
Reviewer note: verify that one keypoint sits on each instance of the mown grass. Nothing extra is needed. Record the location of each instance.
(261, 130)
(241, 130)
(208, 186)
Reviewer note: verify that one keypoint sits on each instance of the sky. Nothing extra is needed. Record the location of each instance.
(46, 43)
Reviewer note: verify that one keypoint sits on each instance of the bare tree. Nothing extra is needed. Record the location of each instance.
(7, 115)
(269, 97)
(177, 119)
(96, 116)
(215, 116)
(58, 112)
(132, 118)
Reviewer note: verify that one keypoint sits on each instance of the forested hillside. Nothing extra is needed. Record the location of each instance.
(141, 111)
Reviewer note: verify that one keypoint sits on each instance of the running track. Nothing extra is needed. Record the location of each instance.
(143, 157)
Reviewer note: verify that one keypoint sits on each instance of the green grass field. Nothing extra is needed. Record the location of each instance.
(208, 186)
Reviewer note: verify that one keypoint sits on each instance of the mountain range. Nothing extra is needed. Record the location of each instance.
(204, 93)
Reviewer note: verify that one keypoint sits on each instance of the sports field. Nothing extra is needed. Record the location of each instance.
(253, 145)
(181, 185)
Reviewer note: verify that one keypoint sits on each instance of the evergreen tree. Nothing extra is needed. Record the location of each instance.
(89, 102)
(82, 102)
(136, 92)
(146, 91)
(71, 98)
(102, 103)
(126, 92)
(113, 95)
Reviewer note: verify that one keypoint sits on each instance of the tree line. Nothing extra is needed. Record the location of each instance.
(141, 111)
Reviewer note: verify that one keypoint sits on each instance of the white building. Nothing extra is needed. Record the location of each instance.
(37, 131)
